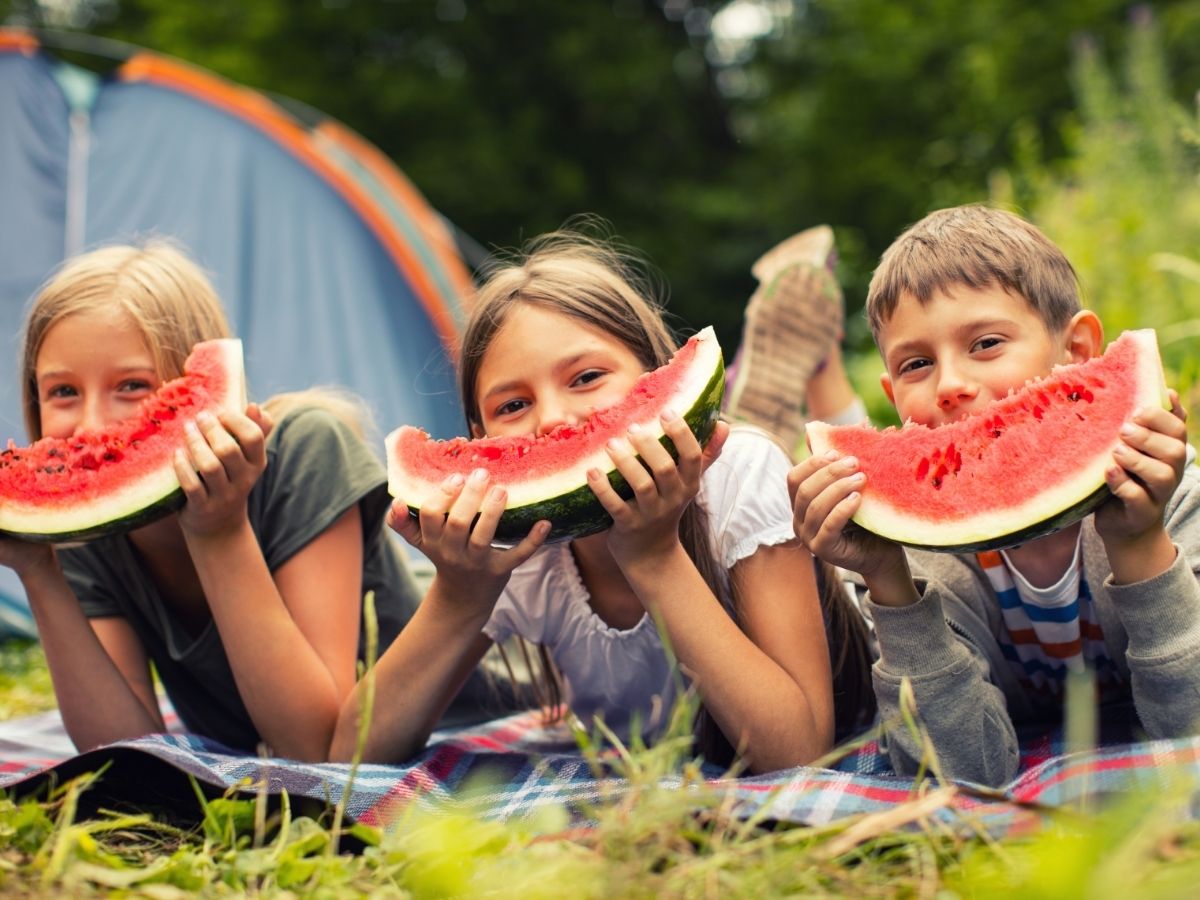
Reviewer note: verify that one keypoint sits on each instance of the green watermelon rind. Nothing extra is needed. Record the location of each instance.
(578, 513)
(156, 510)
(1053, 510)
(153, 496)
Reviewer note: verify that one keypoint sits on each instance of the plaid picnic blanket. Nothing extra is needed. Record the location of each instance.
(516, 766)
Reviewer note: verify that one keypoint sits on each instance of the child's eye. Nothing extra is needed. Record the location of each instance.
(134, 385)
(60, 391)
(510, 407)
(914, 364)
(986, 343)
(587, 377)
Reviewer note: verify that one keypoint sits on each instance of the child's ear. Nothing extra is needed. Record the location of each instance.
(1083, 337)
(885, 381)
(477, 430)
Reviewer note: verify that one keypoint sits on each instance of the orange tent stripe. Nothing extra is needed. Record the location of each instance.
(13, 40)
(410, 200)
(257, 110)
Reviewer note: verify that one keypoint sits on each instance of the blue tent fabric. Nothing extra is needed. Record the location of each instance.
(308, 282)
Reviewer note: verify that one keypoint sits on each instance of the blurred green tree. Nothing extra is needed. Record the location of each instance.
(513, 116)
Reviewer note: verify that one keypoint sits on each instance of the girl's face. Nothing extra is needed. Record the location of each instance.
(93, 369)
(544, 369)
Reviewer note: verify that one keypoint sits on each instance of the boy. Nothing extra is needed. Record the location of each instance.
(965, 305)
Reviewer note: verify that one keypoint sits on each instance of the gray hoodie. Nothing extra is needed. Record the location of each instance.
(967, 695)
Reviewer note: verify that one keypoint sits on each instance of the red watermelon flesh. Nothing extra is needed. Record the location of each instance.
(545, 476)
(1026, 465)
(103, 482)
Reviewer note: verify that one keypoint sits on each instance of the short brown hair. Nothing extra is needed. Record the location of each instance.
(976, 246)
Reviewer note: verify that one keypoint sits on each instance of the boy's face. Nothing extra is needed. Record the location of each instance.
(964, 348)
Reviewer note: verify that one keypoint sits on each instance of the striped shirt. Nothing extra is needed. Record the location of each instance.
(1050, 631)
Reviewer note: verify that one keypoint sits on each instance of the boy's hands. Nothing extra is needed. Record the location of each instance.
(455, 529)
(825, 495)
(647, 524)
(1148, 468)
(224, 457)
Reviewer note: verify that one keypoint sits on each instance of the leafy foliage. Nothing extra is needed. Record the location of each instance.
(1125, 204)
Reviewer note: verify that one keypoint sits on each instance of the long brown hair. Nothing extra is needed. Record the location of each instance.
(609, 289)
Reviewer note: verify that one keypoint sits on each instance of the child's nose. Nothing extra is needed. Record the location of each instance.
(953, 387)
(95, 416)
(553, 415)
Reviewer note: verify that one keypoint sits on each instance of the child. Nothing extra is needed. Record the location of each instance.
(967, 304)
(550, 340)
(249, 601)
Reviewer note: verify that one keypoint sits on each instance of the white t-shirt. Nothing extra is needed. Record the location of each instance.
(622, 672)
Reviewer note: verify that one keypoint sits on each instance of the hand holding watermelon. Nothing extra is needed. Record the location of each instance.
(455, 529)
(24, 558)
(648, 523)
(1149, 465)
(223, 457)
(826, 493)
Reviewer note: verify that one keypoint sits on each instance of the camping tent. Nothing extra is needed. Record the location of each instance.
(333, 268)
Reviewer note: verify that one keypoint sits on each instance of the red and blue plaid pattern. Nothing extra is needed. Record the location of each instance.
(515, 766)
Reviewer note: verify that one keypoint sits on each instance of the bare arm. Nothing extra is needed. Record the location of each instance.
(768, 687)
(101, 678)
(416, 679)
(292, 638)
(429, 661)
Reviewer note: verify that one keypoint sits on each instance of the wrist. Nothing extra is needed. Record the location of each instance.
(218, 535)
(892, 584)
(650, 563)
(1141, 557)
(468, 601)
(37, 566)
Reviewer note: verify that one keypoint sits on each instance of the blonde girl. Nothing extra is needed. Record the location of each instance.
(248, 601)
(705, 545)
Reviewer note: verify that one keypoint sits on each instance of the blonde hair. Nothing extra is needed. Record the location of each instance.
(976, 246)
(347, 406)
(165, 294)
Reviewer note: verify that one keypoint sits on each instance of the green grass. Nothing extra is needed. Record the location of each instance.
(649, 841)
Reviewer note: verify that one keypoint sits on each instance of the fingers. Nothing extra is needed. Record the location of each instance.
(1152, 452)
(530, 544)
(250, 434)
(826, 494)
(404, 523)
(716, 443)
(261, 418)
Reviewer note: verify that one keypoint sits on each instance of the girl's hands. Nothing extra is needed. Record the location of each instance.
(26, 559)
(648, 523)
(224, 457)
(455, 529)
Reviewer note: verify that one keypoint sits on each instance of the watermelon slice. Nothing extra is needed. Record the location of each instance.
(97, 483)
(546, 476)
(1026, 465)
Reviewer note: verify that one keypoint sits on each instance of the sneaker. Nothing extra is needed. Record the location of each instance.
(793, 321)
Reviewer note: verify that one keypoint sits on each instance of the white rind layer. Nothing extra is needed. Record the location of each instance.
(413, 490)
(880, 517)
(152, 488)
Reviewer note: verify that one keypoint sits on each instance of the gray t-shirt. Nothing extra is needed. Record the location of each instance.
(317, 468)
